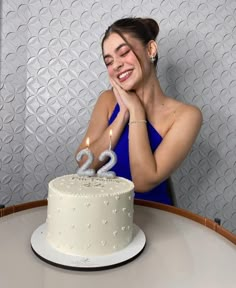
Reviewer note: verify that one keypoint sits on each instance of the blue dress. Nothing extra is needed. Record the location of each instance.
(122, 168)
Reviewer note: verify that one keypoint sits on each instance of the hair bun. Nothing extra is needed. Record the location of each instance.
(152, 26)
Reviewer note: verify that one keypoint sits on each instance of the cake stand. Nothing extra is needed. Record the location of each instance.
(47, 253)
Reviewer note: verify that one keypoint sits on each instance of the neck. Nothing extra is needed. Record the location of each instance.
(150, 92)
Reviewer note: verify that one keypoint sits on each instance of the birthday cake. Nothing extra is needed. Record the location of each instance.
(89, 216)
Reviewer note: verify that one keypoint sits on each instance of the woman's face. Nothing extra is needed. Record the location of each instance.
(121, 62)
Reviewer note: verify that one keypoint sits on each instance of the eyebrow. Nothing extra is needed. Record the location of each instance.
(116, 50)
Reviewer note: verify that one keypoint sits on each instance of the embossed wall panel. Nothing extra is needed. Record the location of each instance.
(12, 100)
(52, 73)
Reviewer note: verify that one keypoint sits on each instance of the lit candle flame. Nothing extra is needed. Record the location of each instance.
(87, 142)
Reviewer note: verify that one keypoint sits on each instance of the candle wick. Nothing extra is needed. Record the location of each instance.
(110, 144)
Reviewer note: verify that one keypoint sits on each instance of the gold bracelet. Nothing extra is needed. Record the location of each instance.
(138, 121)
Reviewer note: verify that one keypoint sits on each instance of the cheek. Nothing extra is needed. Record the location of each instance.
(110, 71)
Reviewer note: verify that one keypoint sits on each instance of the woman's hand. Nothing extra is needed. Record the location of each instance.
(129, 101)
(125, 98)
(118, 94)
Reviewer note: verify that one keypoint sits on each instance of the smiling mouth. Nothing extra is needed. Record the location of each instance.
(123, 76)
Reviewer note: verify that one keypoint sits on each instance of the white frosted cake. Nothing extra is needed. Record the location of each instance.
(89, 216)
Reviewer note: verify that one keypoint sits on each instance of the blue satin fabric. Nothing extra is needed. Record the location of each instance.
(122, 168)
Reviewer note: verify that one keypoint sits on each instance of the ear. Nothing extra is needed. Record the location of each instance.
(152, 48)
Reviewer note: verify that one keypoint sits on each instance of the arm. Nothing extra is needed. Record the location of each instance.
(148, 169)
(98, 129)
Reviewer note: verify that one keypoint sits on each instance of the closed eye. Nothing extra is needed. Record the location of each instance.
(125, 53)
(108, 63)
(121, 54)
(108, 60)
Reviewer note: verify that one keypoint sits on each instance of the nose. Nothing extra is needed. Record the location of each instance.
(117, 64)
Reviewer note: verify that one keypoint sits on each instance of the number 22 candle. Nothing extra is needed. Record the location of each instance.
(84, 169)
(103, 171)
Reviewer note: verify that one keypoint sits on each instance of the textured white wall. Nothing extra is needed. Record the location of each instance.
(52, 73)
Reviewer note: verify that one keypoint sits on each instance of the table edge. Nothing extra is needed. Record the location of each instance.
(172, 209)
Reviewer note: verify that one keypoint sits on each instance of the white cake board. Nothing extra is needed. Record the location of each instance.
(47, 253)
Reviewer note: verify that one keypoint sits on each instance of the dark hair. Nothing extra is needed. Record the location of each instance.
(144, 29)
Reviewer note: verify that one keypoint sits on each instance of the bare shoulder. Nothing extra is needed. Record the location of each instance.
(183, 110)
(188, 118)
(100, 115)
(107, 100)
(108, 97)
(189, 112)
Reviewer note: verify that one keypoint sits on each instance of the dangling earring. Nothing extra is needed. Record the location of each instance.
(152, 58)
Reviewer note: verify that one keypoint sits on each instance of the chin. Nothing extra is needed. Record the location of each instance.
(128, 87)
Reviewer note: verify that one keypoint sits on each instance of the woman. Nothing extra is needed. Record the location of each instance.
(151, 133)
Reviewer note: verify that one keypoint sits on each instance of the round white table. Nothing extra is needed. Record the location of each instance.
(179, 253)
